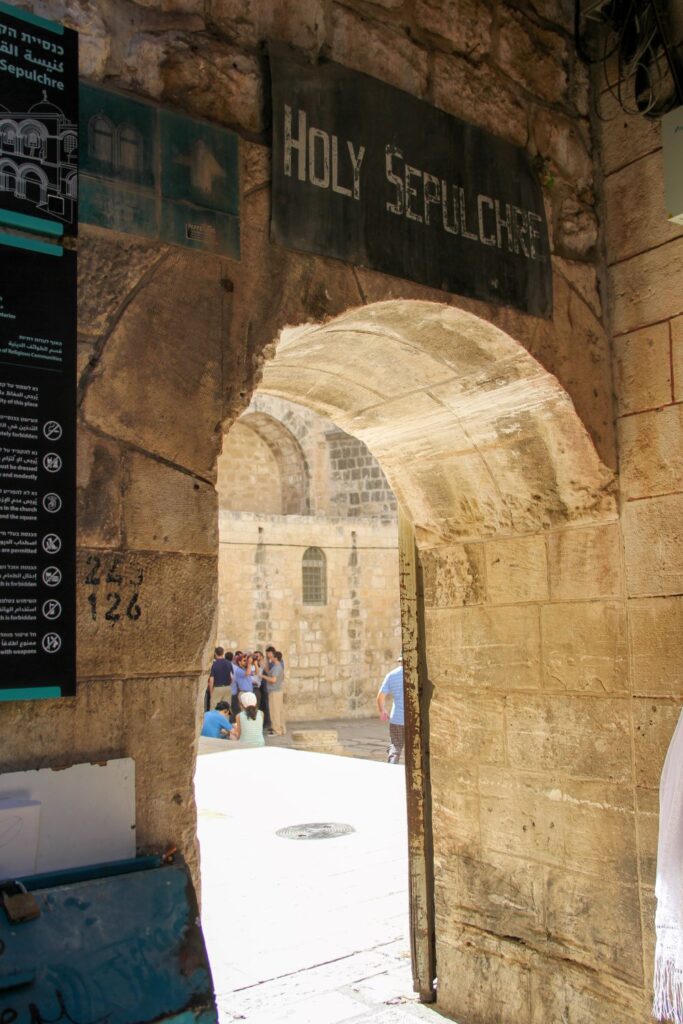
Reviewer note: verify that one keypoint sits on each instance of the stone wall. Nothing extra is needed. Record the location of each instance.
(541, 744)
(645, 267)
(336, 654)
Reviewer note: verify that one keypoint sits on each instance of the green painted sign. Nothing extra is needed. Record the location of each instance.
(158, 174)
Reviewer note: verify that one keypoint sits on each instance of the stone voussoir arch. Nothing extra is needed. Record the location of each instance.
(475, 436)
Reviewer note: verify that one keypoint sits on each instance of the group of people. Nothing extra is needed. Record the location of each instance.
(245, 696)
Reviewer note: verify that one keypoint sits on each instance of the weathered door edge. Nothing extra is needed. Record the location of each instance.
(418, 783)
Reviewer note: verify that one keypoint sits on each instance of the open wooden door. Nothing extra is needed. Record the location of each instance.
(418, 785)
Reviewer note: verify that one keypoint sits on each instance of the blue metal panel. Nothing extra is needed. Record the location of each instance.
(125, 949)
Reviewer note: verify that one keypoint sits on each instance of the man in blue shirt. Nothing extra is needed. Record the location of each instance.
(217, 724)
(393, 684)
(219, 677)
(242, 679)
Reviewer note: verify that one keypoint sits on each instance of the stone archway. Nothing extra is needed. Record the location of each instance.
(513, 511)
(519, 561)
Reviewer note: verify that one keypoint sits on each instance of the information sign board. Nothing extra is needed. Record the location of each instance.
(369, 174)
(37, 469)
(38, 123)
(193, 201)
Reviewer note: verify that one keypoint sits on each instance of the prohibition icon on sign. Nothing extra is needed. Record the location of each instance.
(52, 609)
(52, 502)
(52, 430)
(52, 543)
(52, 462)
(51, 643)
(52, 576)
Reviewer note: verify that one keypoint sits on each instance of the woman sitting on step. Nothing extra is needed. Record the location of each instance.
(248, 727)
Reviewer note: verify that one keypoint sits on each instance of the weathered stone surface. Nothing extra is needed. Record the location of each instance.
(647, 810)
(676, 327)
(215, 80)
(585, 564)
(533, 57)
(465, 731)
(651, 452)
(611, 928)
(140, 609)
(646, 289)
(165, 809)
(497, 648)
(453, 576)
(99, 491)
(583, 279)
(553, 733)
(167, 510)
(654, 721)
(576, 996)
(110, 269)
(480, 985)
(624, 138)
(636, 211)
(583, 826)
(88, 19)
(479, 95)
(179, 421)
(653, 538)
(562, 142)
(584, 647)
(395, 59)
(456, 820)
(657, 646)
(643, 369)
(500, 893)
(463, 25)
(576, 230)
(516, 570)
(250, 22)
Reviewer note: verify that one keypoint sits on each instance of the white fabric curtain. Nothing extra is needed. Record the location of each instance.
(668, 981)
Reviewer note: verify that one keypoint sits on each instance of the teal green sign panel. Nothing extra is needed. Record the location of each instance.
(157, 174)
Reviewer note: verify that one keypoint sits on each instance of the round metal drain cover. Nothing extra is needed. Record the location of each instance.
(315, 830)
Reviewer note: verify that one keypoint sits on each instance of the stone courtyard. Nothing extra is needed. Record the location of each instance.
(306, 932)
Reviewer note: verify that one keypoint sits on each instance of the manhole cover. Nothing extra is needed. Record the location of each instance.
(315, 830)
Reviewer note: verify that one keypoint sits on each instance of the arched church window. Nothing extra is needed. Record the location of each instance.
(8, 138)
(101, 139)
(314, 576)
(70, 143)
(130, 148)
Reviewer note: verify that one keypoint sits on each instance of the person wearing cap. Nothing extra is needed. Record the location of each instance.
(393, 684)
(248, 727)
(217, 724)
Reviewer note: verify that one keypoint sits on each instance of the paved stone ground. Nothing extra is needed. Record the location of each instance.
(305, 932)
(360, 737)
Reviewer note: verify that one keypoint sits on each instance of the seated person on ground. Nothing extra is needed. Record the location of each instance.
(249, 723)
(217, 724)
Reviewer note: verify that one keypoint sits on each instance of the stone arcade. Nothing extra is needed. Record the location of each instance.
(547, 626)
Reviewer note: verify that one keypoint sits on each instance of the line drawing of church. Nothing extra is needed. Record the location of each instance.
(39, 158)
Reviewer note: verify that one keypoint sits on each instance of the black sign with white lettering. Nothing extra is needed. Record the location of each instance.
(37, 471)
(38, 122)
(371, 175)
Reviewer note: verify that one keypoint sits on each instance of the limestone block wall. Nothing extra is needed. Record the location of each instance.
(537, 745)
(336, 654)
(645, 260)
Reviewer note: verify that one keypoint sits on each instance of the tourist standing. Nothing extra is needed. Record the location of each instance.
(219, 678)
(393, 684)
(275, 678)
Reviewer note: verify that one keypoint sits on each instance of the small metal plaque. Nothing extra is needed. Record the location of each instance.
(315, 830)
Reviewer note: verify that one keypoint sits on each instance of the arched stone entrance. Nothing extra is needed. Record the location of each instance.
(512, 511)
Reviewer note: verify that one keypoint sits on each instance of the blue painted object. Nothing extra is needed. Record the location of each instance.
(118, 949)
